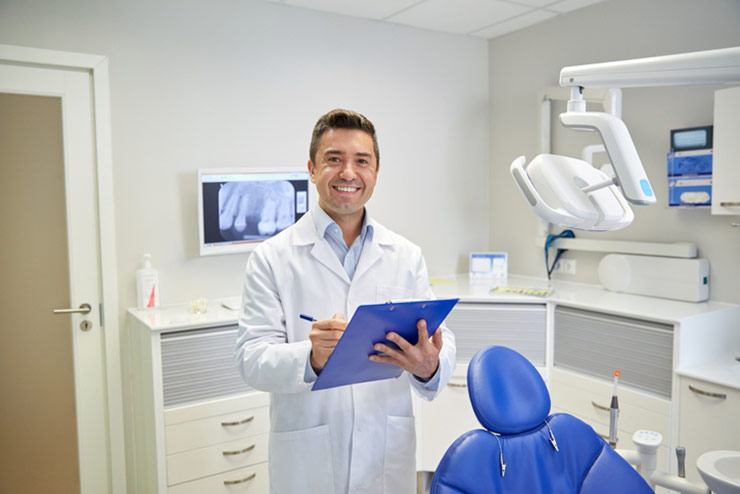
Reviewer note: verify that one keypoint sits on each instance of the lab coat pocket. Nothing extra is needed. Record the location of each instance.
(387, 293)
(399, 475)
(301, 461)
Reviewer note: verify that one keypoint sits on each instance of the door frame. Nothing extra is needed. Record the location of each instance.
(97, 66)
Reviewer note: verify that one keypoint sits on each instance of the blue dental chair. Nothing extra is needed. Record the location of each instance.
(521, 449)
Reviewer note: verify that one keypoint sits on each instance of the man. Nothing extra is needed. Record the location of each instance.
(349, 439)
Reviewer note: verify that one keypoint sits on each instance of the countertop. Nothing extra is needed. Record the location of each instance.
(578, 295)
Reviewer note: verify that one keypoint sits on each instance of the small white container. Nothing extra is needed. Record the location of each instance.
(147, 285)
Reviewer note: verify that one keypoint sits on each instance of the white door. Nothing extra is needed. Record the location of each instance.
(49, 266)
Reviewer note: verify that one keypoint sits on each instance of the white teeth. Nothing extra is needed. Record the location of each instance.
(346, 189)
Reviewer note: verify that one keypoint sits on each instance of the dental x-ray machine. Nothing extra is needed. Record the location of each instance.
(571, 193)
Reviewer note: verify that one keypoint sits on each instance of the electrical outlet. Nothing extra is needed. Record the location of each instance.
(566, 266)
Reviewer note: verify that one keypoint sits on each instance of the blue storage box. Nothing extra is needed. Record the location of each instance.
(698, 162)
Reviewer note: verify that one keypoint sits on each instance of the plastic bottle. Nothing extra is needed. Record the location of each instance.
(147, 285)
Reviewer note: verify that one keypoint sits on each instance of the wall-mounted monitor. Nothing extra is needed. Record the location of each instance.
(239, 207)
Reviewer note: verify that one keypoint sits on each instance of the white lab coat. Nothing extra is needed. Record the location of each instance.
(351, 439)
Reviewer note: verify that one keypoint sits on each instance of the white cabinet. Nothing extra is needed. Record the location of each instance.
(709, 420)
(726, 160)
(196, 426)
(443, 420)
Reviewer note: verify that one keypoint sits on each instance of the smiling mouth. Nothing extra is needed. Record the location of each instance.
(346, 189)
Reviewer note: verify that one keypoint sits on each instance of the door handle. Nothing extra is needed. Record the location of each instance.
(83, 309)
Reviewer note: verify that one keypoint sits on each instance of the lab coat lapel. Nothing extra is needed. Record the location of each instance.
(373, 251)
(305, 234)
(323, 253)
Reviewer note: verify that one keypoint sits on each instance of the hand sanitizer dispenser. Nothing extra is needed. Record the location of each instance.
(147, 285)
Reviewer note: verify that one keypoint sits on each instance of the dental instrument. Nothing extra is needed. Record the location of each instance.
(614, 412)
(573, 194)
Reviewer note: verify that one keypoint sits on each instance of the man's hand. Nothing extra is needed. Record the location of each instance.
(421, 359)
(324, 337)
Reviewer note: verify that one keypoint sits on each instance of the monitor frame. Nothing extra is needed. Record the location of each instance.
(237, 247)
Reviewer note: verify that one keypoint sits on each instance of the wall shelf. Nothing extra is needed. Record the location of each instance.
(684, 250)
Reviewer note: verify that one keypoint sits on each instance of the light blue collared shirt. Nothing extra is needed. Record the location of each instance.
(328, 229)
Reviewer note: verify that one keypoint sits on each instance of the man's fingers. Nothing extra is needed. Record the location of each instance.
(399, 340)
(391, 352)
(421, 326)
(437, 339)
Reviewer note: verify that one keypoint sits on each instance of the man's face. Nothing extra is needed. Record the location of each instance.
(345, 172)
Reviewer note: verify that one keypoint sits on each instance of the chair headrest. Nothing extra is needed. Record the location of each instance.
(507, 392)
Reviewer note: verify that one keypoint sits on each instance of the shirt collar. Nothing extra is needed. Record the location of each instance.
(323, 221)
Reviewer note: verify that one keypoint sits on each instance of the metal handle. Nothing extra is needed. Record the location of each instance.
(456, 385)
(84, 309)
(681, 458)
(239, 452)
(729, 204)
(698, 391)
(600, 407)
(240, 422)
(245, 479)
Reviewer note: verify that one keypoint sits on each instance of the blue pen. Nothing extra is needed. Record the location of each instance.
(307, 318)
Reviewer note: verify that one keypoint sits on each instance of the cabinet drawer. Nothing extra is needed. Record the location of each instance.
(251, 480)
(197, 463)
(216, 430)
(577, 395)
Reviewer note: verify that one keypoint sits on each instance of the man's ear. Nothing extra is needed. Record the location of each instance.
(312, 171)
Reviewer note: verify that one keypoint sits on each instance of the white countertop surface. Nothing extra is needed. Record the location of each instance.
(725, 372)
(578, 295)
(179, 316)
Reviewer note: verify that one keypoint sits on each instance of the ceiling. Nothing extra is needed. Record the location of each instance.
(480, 18)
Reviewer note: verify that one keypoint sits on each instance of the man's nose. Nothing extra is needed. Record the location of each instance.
(348, 171)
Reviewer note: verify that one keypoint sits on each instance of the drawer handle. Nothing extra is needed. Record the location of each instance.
(698, 391)
(600, 407)
(729, 204)
(236, 482)
(457, 385)
(239, 452)
(241, 422)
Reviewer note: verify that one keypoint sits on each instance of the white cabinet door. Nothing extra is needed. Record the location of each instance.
(445, 419)
(726, 161)
(709, 420)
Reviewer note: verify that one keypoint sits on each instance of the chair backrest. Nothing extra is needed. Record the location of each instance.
(521, 449)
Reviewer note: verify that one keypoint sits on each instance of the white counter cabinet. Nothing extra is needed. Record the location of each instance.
(196, 426)
(709, 419)
(726, 165)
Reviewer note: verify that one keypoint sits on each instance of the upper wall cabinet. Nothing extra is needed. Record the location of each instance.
(726, 166)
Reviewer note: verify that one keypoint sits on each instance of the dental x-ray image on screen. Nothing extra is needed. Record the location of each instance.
(239, 208)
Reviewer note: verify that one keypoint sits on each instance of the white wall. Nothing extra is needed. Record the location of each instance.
(524, 63)
(241, 83)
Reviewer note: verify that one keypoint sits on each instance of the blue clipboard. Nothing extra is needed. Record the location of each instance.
(349, 362)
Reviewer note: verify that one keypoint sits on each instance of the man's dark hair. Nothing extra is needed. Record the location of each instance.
(342, 119)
